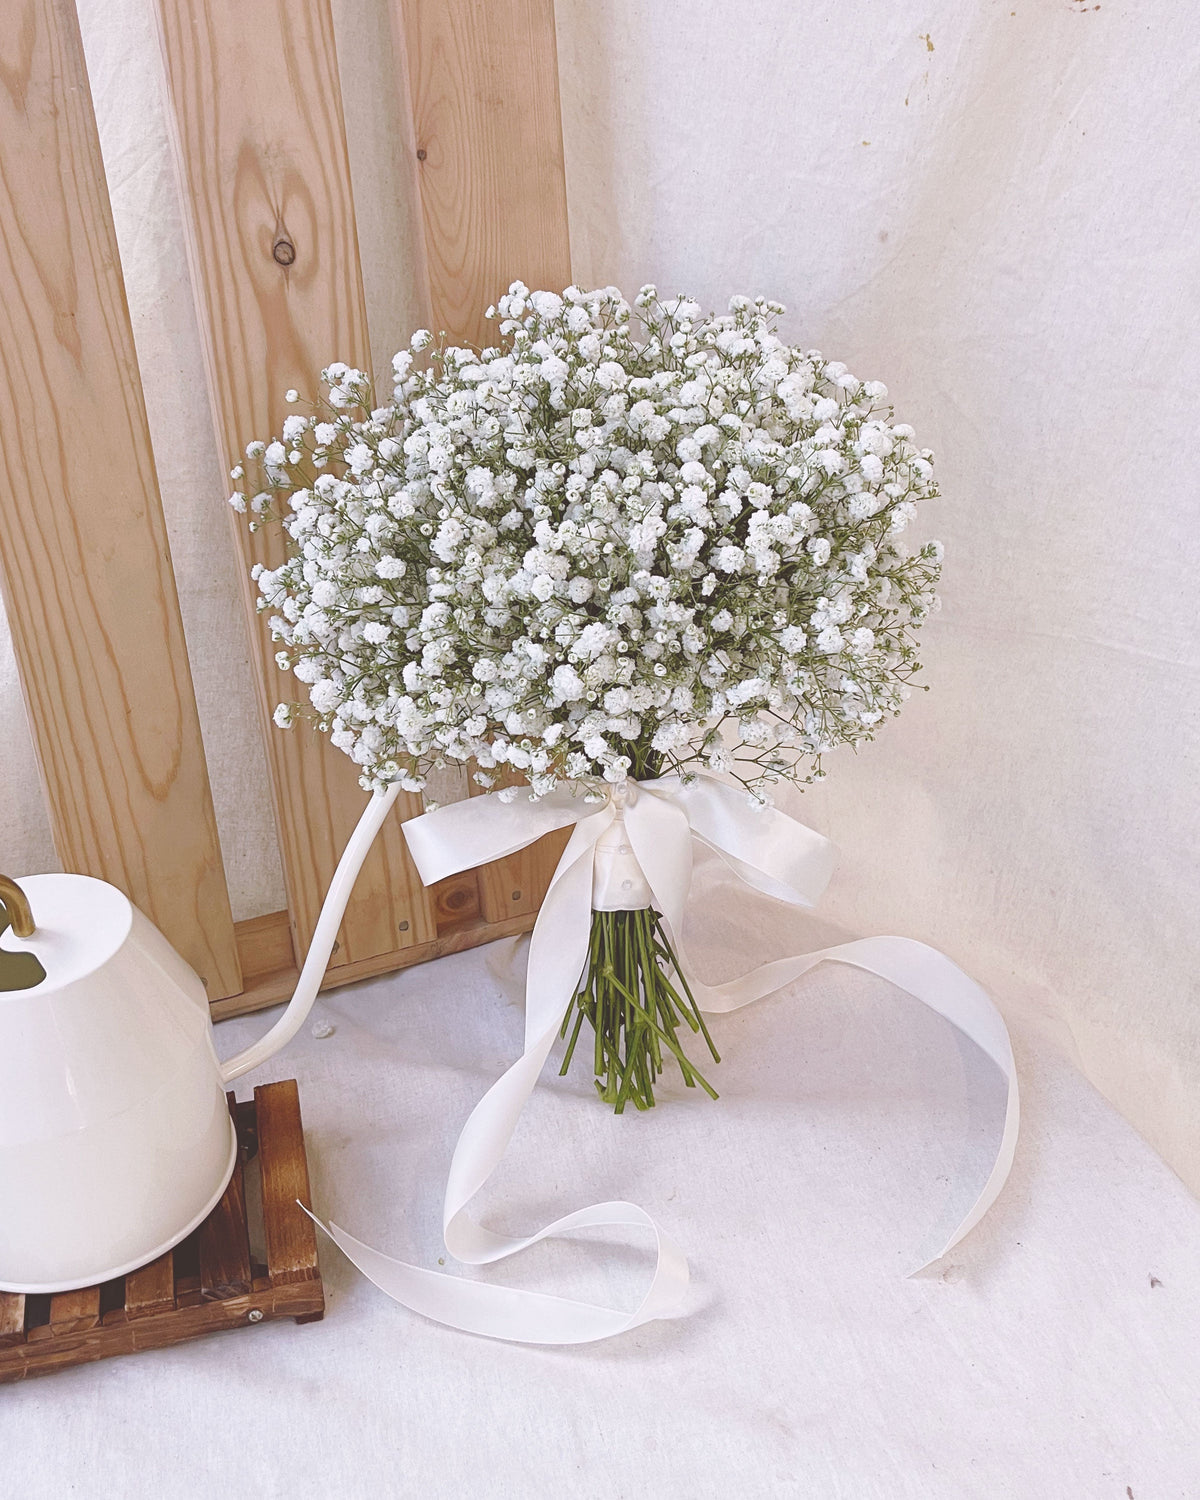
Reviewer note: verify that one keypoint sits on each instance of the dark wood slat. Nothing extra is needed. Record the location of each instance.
(164, 1302)
(224, 1239)
(290, 1235)
(75, 1312)
(303, 1301)
(187, 1271)
(247, 1128)
(12, 1318)
(152, 1289)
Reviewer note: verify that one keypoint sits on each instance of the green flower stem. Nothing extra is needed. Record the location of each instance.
(635, 998)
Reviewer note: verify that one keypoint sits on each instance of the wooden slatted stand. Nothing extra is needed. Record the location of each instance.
(85, 568)
(209, 1282)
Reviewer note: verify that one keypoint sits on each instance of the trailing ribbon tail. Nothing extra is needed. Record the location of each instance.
(767, 850)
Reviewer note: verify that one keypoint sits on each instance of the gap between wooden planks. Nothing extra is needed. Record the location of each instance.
(270, 974)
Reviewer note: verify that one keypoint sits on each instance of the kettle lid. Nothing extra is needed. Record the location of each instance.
(78, 924)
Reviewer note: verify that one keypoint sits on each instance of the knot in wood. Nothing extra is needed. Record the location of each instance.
(284, 252)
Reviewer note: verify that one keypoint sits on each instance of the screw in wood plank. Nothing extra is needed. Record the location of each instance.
(284, 252)
(403, 926)
(254, 1315)
(516, 895)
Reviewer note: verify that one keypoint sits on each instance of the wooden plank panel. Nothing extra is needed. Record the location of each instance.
(290, 1234)
(456, 900)
(304, 1301)
(84, 561)
(224, 1239)
(12, 1318)
(516, 886)
(274, 253)
(483, 81)
(75, 1312)
(265, 946)
(269, 988)
(152, 1289)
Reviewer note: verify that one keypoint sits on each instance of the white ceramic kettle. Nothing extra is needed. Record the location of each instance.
(115, 1137)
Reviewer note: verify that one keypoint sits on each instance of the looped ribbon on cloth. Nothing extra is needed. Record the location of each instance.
(633, 851)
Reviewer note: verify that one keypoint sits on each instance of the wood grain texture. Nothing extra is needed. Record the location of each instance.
(152, 1289)
(304, 1301)
(290, 1234)
(223, 1240)
(12, 1318)
(266, 988)
(169, 1301)
(265, 945)
(456, 901)
(262, 152)
(84, 560)
(75, 1312)
(517, 886)
(483, 79)
(483, 82)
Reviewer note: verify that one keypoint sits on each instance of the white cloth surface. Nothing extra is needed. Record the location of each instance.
(1041, 1360)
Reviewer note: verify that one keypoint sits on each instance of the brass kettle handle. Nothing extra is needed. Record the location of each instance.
(15, 901)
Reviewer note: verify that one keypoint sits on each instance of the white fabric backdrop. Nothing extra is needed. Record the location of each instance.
(991, 206)
(1052, 1356)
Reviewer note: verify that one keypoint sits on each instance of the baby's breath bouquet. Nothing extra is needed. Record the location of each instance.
(623, 543)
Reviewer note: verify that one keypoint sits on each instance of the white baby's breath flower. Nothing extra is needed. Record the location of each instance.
(579, 553)
(325, 696)
(829, 640)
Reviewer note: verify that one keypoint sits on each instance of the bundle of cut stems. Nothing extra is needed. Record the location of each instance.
(636, 999)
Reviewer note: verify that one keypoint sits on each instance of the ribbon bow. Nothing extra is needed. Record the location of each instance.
(633, 851)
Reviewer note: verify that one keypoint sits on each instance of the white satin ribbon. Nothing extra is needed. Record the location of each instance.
(625, 854)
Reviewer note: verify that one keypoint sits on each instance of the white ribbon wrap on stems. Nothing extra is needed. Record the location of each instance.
(633, 851)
